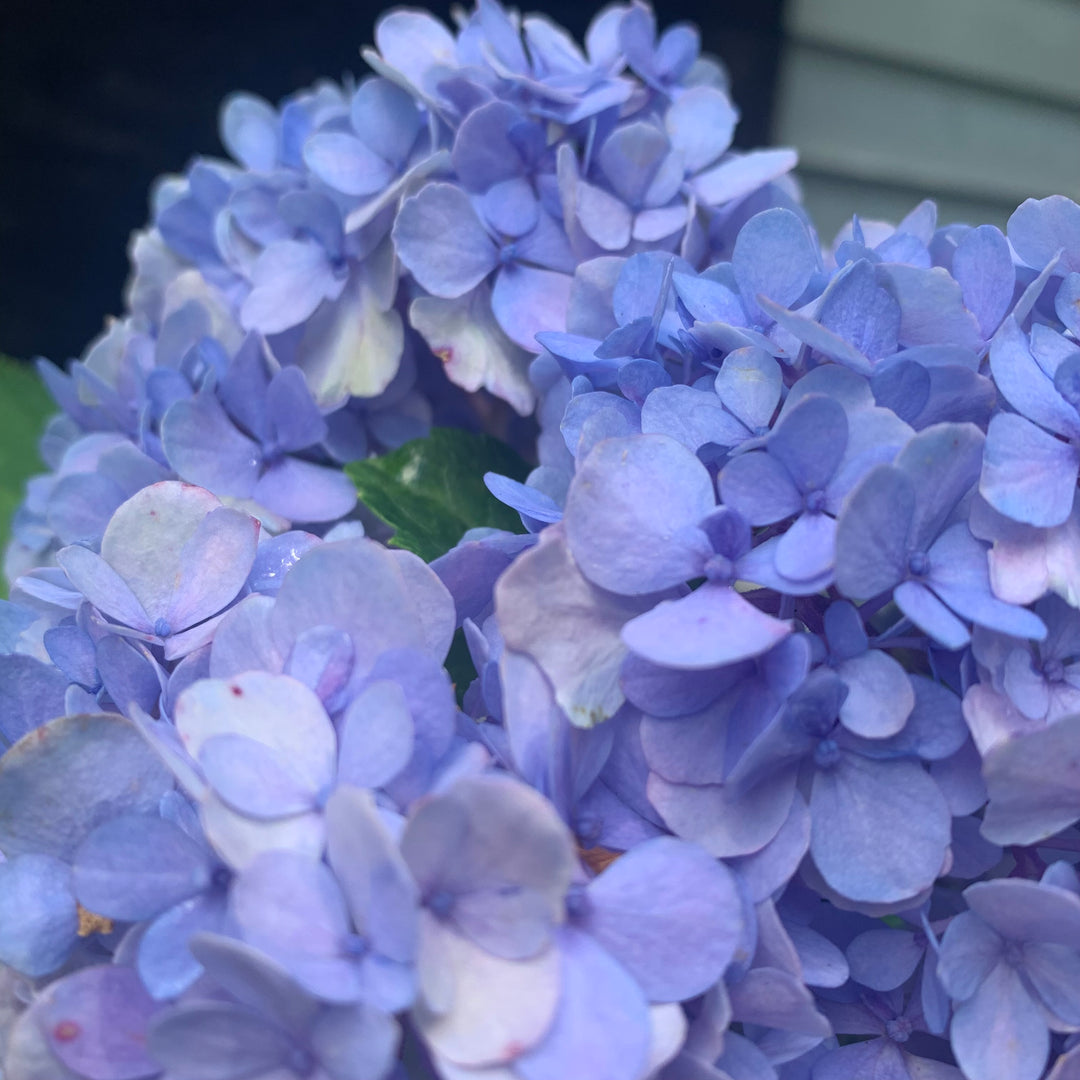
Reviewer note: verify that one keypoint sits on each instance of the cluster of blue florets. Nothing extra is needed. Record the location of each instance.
(770, 769)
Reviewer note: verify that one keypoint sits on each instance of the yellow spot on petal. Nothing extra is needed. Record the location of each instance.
(89, 923)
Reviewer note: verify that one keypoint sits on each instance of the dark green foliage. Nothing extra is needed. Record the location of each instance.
(431, 490)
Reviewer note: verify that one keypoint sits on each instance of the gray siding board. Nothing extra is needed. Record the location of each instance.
(975, 103)
(864, 119)
(1029, 46)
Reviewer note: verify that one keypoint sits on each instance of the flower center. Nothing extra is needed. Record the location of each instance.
(918, 563)
(1053, 670)
(302, 1061)
(355, 945)
(827, 754)
(720, 570)
(441, 903)
(900, 1029)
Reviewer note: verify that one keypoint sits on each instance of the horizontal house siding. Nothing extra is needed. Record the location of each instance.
(971, 102)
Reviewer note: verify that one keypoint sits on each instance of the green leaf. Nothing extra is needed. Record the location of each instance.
(24, 406)
(431, 490)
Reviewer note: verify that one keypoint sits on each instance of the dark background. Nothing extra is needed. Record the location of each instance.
(97, 99)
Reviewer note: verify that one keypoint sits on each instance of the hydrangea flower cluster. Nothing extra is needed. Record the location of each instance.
(284, 307)
(770, 767)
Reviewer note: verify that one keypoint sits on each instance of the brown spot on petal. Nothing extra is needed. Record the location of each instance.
(598, 859)
(445, 354)
(66, 1030)
(236, 691)
(89, 923)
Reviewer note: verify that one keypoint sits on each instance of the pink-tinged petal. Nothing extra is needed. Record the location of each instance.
(495, 1009)
(103, 587)
(1067, 1067)
(670, 914)
(322, 660)
(188, 641)
(146, 540)
(714, 625)
(527, 300)
(96, 1022)
(1034, 784)
(1027, 474)
(276, 710)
